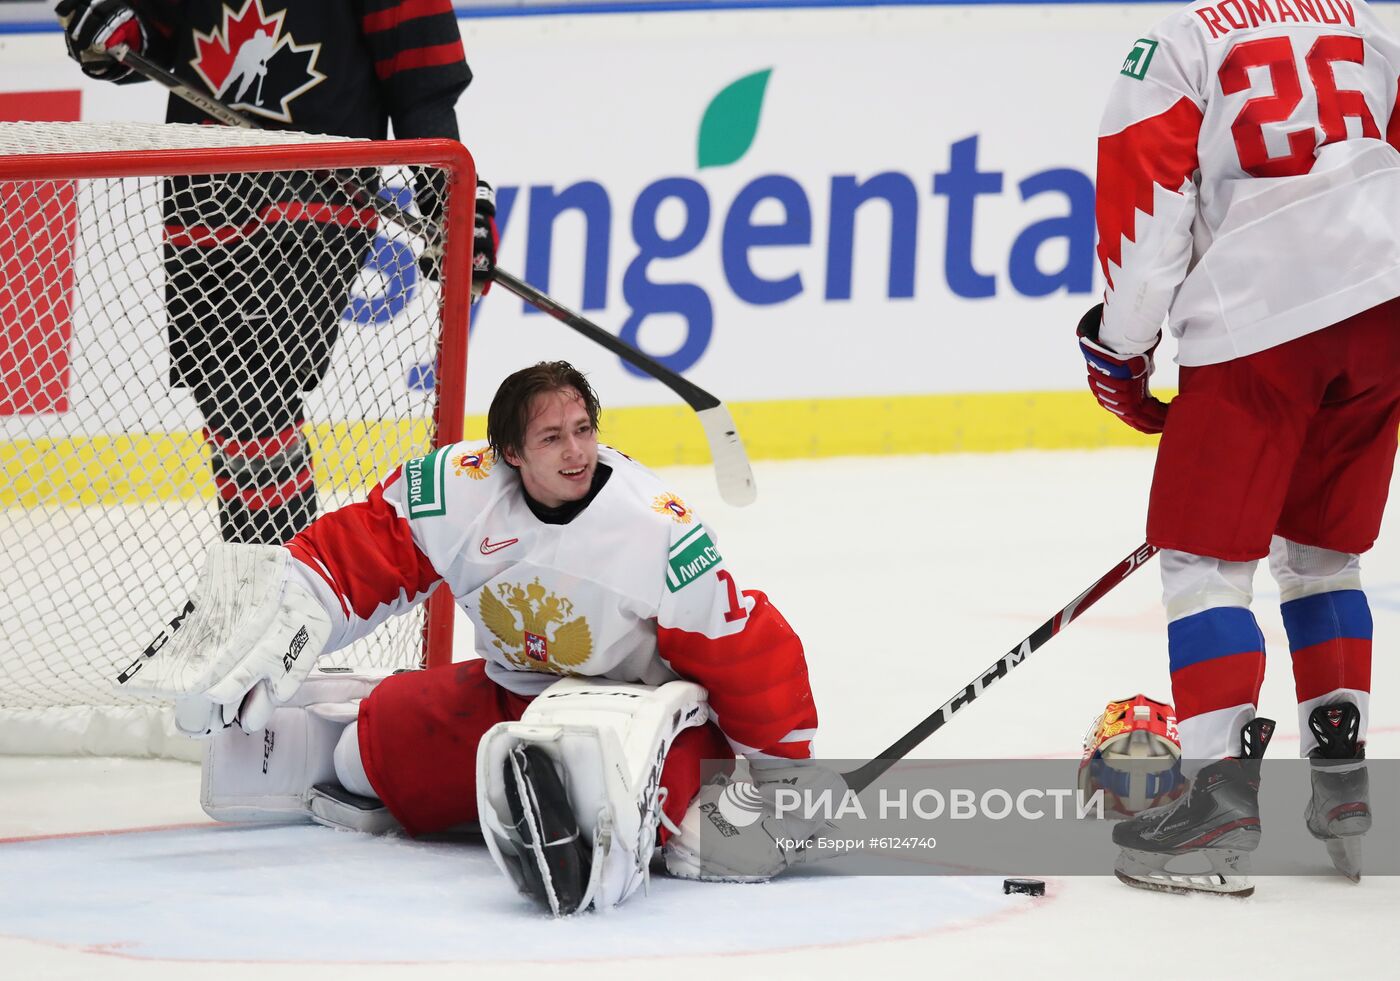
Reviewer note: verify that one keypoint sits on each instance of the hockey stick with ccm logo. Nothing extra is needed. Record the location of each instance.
(866, 774)
(733, 472)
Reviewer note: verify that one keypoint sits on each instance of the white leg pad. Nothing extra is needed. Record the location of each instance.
(609, 742)
(267, 776)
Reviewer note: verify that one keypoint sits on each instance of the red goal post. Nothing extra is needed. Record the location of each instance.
(106, 497)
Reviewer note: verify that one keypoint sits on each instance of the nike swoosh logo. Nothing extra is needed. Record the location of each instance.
(488, 546)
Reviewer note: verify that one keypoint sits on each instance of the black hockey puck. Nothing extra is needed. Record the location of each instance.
(1030, 887)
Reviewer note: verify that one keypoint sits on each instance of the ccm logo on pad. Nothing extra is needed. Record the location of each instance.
(488, 546)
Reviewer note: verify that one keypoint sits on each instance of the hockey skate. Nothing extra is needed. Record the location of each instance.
(1218, 822)
(1339, 812)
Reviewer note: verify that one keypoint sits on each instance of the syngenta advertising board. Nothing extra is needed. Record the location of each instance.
(805, 204)
(738, 230)
(795, 204)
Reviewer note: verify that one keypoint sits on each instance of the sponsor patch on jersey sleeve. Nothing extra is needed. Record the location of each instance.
(1135, 65)
(690, 558)
(425, 492)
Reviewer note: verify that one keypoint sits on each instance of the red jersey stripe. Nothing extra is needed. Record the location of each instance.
(369, 553)
(209, 236)
(1392, 129)
(1159, 150)
(425, 57)
(757, 678)
(384, 20)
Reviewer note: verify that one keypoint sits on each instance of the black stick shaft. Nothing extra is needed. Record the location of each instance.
(205, 103)
(731, 462)
(232, 117)
(863, 776)
(695, 396)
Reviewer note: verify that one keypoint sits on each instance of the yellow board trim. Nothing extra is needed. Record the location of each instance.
(987, 422)
(168, 466)
(140, 469)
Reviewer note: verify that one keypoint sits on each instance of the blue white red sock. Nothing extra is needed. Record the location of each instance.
(1330, 637)
(1217, 665)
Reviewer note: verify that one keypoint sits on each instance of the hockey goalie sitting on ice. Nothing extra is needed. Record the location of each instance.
(617, 653)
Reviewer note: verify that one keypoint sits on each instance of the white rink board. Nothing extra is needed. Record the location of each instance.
(613, 104)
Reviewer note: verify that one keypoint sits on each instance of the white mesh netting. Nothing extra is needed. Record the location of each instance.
(185, 357)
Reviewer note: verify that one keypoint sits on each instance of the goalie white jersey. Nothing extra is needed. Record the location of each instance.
(1247, 177)
(550, 599)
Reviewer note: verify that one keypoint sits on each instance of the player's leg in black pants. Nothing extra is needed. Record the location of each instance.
(253, 324)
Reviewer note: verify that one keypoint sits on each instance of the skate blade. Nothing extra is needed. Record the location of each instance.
(1345, 854)
(1228, 875)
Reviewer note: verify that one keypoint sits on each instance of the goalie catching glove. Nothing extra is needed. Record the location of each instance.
(244, 645)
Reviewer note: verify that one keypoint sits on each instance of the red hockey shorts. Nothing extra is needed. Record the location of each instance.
(419, 732)
(1298, 440)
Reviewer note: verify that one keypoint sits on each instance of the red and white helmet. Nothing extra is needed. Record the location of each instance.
(1132, 752)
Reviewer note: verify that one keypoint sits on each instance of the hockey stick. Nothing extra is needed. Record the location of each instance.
(866, 774)
(207, 104)
(732, 470)
(212, 107)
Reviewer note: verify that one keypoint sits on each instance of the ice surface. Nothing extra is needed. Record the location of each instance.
(905, 577)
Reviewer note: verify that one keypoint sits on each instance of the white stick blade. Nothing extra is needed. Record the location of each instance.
(732, 470)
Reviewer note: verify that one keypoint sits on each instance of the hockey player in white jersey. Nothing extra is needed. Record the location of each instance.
(1248, 183)
(573, 562)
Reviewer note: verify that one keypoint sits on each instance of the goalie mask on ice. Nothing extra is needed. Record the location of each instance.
(570, 796)
(1133, 754)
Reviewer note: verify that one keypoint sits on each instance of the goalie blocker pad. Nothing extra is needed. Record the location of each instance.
(272, 775)
(604, 746)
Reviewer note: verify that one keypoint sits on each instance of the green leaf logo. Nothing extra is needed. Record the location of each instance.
(731, 121)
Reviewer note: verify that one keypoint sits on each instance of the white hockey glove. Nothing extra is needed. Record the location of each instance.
(249, 640)
(733, 832)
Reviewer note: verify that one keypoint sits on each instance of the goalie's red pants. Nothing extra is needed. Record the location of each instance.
(419, 732)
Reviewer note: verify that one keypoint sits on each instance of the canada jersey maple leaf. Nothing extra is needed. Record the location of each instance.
(249, 62)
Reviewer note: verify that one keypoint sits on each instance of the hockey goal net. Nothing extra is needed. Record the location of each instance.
(204, 332)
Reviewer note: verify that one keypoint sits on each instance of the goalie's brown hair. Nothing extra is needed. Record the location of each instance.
(509, 414)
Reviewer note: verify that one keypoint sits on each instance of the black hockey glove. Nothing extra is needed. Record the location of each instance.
(428, 189)
(485, 237)
(484, 234)
(93, 27)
